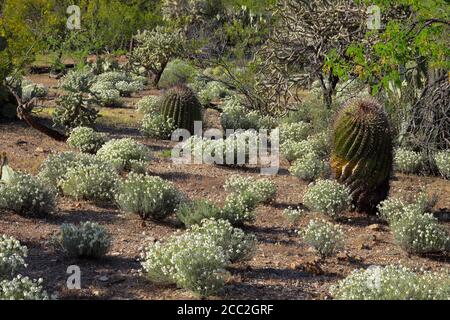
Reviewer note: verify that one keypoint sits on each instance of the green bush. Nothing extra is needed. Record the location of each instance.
(157, 126)
(12, 256)
(325, 237)
(407, 161)
(123, 153)
(22, 288)
(148, 196)
(74, 110)
(293, 215)
(213, 90)
(86, 140)
(309, 167)
(149, 105)
(392, 283)
(442, 160)
(263, 190)
(177, 72)
(191, 213)
(294, 131)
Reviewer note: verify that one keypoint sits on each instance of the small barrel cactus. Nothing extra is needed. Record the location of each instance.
(182, 106)
(362, 152)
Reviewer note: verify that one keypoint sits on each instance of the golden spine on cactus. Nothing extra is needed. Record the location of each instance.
(182, 106)
(361, 155)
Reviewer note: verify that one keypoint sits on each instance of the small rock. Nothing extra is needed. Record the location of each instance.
(103, 278)
(375, 227)
(40, 150)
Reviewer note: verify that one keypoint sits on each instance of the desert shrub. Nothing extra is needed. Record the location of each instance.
(392, 283)
(189, 261)
(293, 215)
(263, 190)
(149, 105)
(294, 131)
(320, 143)
(22, 288)
(88, 240)
(325, 237)
(191, 213)
(105, 96)
(148, 196)
(442, 160)
(77, 81)
(309, 167)
(89, 181)
(74, 110)
(239, 208)
(12, 256)
(122, 153)
(315, 144)
(177, 72)
(157, 126)
(122, 82)
(213, 90)
(32, 90)
(420, 233)
(407, 161)
(26, 194)
(327, 196)
(86, 139)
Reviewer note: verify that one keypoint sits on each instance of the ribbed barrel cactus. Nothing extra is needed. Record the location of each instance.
(362, 152)
(182, 106)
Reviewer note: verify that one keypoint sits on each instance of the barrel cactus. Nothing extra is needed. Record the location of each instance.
(182, 106)
(362, 152)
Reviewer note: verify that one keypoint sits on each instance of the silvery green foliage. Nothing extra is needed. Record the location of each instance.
(442, 160)
(22, 288)
(91, 181)
(86, 139)
(149, 105)
(122, 153)
(191, 213)
(316, 144)
(298, 131)
(213, 90)
(194, 10)
(328, 197)
(32, 90)
(77, 81)
(177, 72)
(325, 237)
(54, 168)
(263, 189)
(408, 161)
(309, 167)
(87, 240)
(12, 256)
(392, 283)
(123, 82)
(26, 194)
(157, 126)
(155, 48)
(420, 233)
(293, 215)
(74, 110)
(148, 196)
(239, 208)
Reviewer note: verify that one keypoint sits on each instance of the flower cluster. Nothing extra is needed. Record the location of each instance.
(298, 131)
(149, 105)
(26, 194)
(12, 255)
(88, 240)
(309, 167)
(263, 189)
(325, 237)
(442, 160)
(293, 215)
(122, 153)
(157, 126)
(327, 196)
(123, 84)
(408, 161)
(315, 144)
(148, 196)
(22, 288)
(239, 208)
(89, 181)
(86, 139)
(392, 283)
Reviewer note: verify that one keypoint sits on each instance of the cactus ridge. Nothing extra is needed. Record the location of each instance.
(182, 106)
(362, 152)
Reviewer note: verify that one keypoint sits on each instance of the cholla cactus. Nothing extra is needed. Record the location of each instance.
(392, 283)
(73, 110)
(77, 81)
(156, 48)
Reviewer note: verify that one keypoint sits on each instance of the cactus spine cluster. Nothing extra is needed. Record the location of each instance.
(182, 106)
(362, 152)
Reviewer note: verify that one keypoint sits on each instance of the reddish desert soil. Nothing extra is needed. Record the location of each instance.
(283, 266)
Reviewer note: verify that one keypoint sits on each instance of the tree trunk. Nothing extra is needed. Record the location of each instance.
(33, 122)
(159, 74)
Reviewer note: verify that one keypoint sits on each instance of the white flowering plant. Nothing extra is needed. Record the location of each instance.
(297, 131)
(87, 240)
(293, 215)
(148, 196)
(309, 167)
(328, 197)
(442, 160)
(325, 237)
(121, 153)
(22, 288)
(149, 105)
(28, 195)
(12, 256)
(239, 208)
(157, 126)
(86, 139)
(408, 161)
(392, 283)
(264, 190)
(89, 181)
